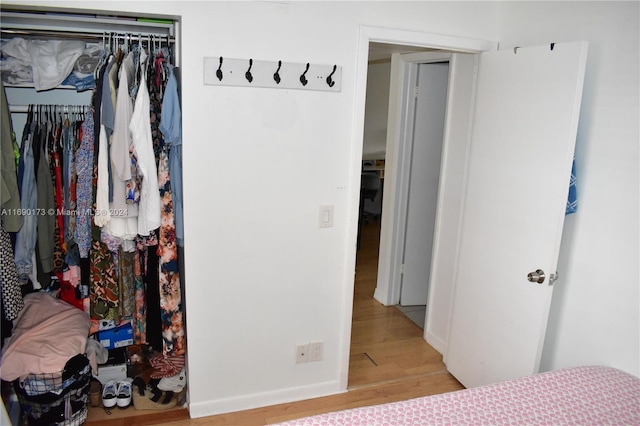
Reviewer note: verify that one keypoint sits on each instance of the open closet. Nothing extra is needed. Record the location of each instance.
(92, 209)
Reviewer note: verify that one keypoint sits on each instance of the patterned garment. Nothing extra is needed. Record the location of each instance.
(171, 316)
(68, 181)
(140, 313)
(60, 247)
(72, 149)
(142, 244)
(11, 294)
(173, 338)
(103, 291)
(165, 366)
(156, 89)
(133, 184)
(126, 283)
(84, 187)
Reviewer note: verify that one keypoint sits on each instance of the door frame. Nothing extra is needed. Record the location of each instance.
(407, 69)
(369, 35)
(450, 196)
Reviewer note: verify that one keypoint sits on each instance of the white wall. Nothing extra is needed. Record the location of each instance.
(262, 251)
(595, 311)
(261, 276)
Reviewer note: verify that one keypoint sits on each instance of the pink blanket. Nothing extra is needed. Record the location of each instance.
(572, 396)
(46, 334)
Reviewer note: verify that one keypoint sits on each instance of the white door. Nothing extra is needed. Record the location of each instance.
(428, 127)
(522, 144)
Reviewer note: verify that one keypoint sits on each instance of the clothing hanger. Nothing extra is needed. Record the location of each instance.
(59, 125)
(66, 115)
(141, 61)
(30, 115)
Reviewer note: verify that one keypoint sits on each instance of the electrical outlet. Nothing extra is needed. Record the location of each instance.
(302, 353)
(316, 350)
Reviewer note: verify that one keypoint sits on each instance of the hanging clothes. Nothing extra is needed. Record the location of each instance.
(171, 128)
(126, 283)
(149, 206)
(169, 275)
(171, 316)
(69, 192)
(12, 301)
(10, 203)
(60, 249)
(45, 202)
(139, 321)
(103, 291)
(84, 191)
(124, 216)
(104, 189)
(27, 235)
(149, 245)
(111, 247)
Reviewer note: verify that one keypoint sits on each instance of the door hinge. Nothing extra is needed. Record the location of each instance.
(417, 91)
(402, 269)
(553, 278)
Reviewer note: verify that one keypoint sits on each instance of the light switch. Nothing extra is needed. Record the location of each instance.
(326, 216)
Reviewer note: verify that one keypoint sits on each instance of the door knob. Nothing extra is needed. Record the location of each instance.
(536, 277)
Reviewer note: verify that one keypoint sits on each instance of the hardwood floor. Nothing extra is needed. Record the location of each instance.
(390, 361)
(385, 344)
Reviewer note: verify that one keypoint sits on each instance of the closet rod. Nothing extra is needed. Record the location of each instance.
(24, 109)
(19, 108)
(83, 36)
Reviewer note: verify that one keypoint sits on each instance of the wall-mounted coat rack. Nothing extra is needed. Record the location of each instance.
(223, 71)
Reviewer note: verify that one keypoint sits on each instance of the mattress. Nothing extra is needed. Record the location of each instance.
(590, 395)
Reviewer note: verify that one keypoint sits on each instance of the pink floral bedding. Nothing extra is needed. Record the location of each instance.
(572, 396)
(47, 333)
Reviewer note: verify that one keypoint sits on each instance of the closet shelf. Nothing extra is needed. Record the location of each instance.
(32, 86)
(37, 24)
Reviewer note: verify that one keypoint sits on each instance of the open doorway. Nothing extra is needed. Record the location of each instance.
(384, 329)
(387, 341)
(424, 105)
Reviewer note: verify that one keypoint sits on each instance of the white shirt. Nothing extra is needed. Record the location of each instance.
(140, 127)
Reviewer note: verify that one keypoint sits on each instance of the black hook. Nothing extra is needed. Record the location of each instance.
(248, 75)
(330, 81)
(276, 75)
(219, 72)
(303, 78)
(553, 45)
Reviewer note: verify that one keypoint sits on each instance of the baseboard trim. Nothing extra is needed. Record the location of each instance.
(263, 399)
(435, 342)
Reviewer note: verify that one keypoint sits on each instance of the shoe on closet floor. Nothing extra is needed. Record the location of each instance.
(124, 393)
(95, 392)
(147, 397)
(109, 394)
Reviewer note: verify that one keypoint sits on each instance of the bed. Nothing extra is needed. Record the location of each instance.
(590, 395)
